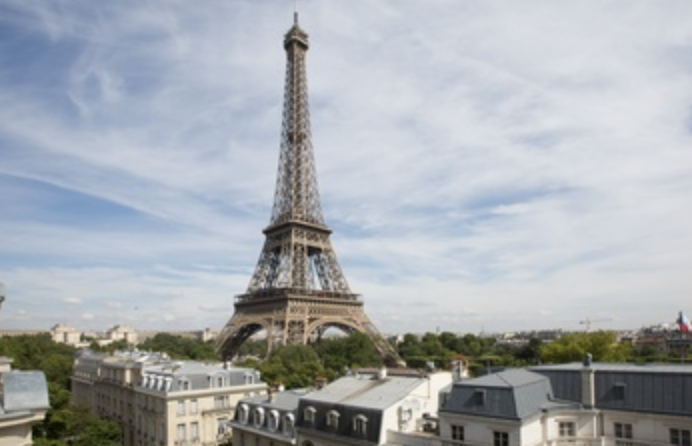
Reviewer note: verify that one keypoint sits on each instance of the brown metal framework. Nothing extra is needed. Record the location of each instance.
(298, 289)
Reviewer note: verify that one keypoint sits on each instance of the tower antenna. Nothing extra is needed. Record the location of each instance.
(295, 12)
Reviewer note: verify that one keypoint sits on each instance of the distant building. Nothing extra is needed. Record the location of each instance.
(158, 401)
(64, 334)
(24, 402)
(122, 333)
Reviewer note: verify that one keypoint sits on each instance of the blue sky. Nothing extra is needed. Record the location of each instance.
(491, 166)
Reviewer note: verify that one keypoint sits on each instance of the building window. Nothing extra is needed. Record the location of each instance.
(180, 433)
(360, 425)
(193, 406)
(194, 431)
(289, 424)
(184, 384)
(457, 433)
(309, 414)
(221, 402)
(243, 413)
(623, 431)
(333, 419)
(273, 421)
(680, 437)
(479, 397)
(500, 438)
(181, 407)
(567, 429)
(258, 416)
(219, 381)
(249, 378)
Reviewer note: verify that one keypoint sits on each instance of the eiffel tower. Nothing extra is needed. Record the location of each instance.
(298, 289)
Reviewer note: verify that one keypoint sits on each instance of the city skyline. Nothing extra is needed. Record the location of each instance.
(492, 167)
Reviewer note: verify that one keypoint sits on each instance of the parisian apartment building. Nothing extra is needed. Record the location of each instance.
(162, 402)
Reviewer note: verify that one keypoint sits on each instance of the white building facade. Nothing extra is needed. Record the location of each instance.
(162, 402)
(571, 404)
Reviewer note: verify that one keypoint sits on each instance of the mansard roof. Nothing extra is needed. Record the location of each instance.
(510, 394)
(194, 375)
(652, 388)
(366, 391)
(23, 391)
(284, 401)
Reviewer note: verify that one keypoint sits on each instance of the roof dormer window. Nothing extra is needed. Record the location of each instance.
(258, 416)
(360, 425)
(309, 414)
(289, 425)
(273, 420)
(243, 413)
(479, 397)
(332, 419)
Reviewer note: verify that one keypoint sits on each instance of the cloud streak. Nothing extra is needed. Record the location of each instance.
(487, 166)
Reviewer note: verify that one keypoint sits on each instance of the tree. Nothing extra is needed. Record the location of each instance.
(179, 347)
(571, 347)
(352, 351)
(295, 366)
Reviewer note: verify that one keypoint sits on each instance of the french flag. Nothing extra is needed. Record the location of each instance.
(683, 323)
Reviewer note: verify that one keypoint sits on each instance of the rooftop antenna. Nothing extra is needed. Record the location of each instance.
(295, 12)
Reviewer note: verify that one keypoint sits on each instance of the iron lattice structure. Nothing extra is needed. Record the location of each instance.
(298, 289)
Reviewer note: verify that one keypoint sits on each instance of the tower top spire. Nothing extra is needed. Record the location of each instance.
(296, 197)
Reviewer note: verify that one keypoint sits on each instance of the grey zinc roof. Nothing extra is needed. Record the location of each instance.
(197, 374)
(24, 390)
(620, 367)
(512, 394)
(366, 391)
(653, 388)
(285, 401)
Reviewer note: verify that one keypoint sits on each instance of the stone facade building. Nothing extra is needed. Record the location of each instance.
(160, 402)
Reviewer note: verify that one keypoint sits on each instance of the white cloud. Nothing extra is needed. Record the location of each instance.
(484, 166)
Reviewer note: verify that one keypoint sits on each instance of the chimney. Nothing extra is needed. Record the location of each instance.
(588, 387)
(382, 373)
(320, 382)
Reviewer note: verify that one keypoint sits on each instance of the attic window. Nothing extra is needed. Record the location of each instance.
(273, 421)
(309, 414)
(244, 413)
(479, 397)
(258, 417)
(289, 424)
(360, 424)
(333, 419)
(619, 390)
